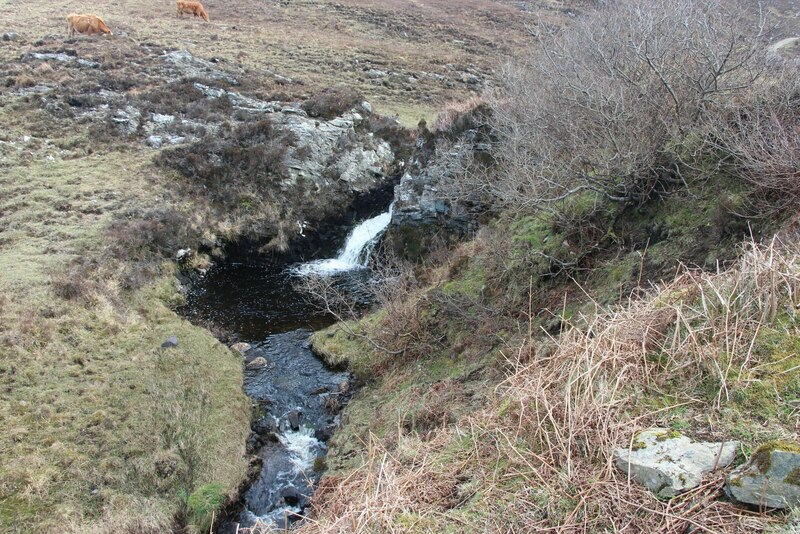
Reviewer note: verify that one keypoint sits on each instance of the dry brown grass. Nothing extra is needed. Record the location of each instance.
(455, 110)
(424, 48)
(539, 458)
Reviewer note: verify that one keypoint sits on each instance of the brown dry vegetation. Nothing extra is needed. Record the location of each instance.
(425, 48)
(500, 379)
(101, 430)
(705, 354)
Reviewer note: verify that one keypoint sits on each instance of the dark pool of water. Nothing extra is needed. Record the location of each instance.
(252, 299)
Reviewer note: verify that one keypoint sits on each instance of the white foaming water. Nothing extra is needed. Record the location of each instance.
(302, 447)
(355, 253)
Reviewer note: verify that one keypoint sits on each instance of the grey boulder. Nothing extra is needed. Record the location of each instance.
(257, 363)
(241, 347)
(668, 463)
(771, 479)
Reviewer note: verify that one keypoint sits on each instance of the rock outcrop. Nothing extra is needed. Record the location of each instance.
(324, 154)
(328, 151)
(182, 64)
(422, 206)
(771, 479)
(668, 463)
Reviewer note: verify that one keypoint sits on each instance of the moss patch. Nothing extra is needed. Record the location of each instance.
(762, 457)
(669, 434)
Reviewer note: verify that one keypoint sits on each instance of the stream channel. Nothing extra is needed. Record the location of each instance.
(296, 396)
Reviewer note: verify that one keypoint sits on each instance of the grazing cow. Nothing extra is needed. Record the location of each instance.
(192, 8)
(89, 24)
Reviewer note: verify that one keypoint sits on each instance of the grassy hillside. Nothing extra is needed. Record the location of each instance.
(92, 404)
(102, 430)
(533, 450)
(495, 399)
(424, 50)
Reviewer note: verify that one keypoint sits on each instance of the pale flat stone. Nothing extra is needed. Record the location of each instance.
(241, 347)
(257, 362)
(668, 463)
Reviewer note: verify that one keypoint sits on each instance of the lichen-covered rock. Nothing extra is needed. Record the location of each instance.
(182, 64)
(327, 152)
(770, 479)
(667, 462)
(127, 119)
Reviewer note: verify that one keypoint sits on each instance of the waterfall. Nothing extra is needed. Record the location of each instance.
(355, 252)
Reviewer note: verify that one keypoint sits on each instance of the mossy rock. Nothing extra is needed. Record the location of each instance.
(770, 479)
(762, 457)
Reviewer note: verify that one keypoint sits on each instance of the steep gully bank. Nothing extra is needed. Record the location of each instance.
(254, 299)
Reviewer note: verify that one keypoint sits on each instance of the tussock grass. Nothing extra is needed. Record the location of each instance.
(539, 457)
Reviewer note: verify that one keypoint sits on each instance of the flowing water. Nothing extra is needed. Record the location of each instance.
(356, 251)
(296, 397)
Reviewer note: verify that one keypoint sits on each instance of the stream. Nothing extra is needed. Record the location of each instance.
(296, 397)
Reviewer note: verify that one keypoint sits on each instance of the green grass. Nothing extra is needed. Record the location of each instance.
(408, 113)
(103, 429)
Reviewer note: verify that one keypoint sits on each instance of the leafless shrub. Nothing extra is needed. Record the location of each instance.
(610, 104)
(762, 134)
(391, 285)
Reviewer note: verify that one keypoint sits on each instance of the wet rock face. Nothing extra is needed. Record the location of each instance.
(668, 463)
(421, 207)
(771, 478)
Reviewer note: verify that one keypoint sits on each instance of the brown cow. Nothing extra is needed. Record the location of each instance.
(193, 8)
(89, 24)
